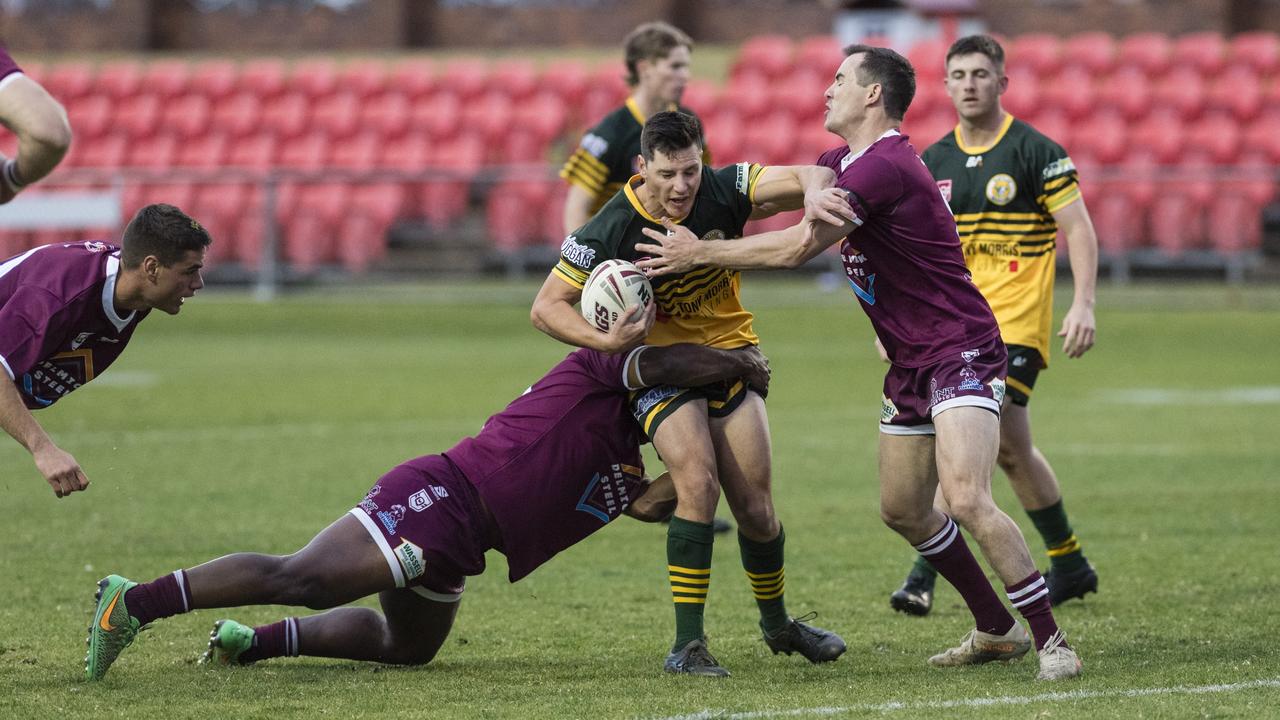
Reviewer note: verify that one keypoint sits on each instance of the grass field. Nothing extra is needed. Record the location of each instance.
(239, 426)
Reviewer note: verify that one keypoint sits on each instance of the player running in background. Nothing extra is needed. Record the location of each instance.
(940, 420)
(709, 436)
(67, 311)
(1010, 189)
(39, 121)
(560, 462)
(657, 58)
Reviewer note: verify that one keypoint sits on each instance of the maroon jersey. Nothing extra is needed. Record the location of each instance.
(59, 327)
(904, 260)
(7, 65)
(559, 462)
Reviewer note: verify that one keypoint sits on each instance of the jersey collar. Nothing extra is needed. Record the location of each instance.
(630, 189)
(848, 159)
(971, 150)
(109, 295)
(634, 107)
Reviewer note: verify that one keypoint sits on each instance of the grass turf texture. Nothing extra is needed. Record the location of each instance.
(239, 426)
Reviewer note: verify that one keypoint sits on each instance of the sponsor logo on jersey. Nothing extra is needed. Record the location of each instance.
(419, 501)
(969, 355)
(653, 396)
(973, 161)
(944, 187)
(743, 180)
(969, 379)
(1019, 360)
(81, 339)
(439, 491)
(937, 394)
(390, 519)
(594, 144)
(606, 495)
(577, 253)
(1002, 189)
(1061, 166)
(888, 411)
(997, 389)
(410, 556)
(95, 246)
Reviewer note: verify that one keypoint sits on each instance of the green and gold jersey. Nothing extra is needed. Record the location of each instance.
(606, 157)
(1004, 196)
(701, 306)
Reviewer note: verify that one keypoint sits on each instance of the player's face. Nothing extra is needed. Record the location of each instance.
(673, 180)
(666, 77)
(846, 99)
(171, 285)
(975, 85)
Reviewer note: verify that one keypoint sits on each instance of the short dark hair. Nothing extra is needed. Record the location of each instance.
(894, 73)
(652, 41)
(980, 44)
(670, 131)
(164, 231)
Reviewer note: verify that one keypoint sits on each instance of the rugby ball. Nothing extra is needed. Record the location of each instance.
(613, 287)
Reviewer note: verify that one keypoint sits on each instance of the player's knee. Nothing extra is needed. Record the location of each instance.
(410, 654)
(902, 520)
(756, 517)
(970, 510)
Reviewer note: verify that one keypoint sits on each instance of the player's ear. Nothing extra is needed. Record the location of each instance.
(151, 267)
(874, 93)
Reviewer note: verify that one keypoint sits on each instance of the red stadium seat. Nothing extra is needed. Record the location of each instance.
(600, 100)
(749, 93)
(207, 151)
(287, 115)
(412, 78)
(104, 152)
(309, 152)
(1258, 50)
(1095, 52)
(360, 152)
(189, 116)
(464, 77)
(264, 77)
(1055, 125)
(138, 116)
(931, 98)
(724, 135)
(90, 117)
(411, 152)
(815, 140)
(69, 81)
(1117, 205)
(803, 96)
(543, 115)
(439, 114)
(927, 130)
(1072, 91)
(701, 96)
(178, 194)
(1127, 90)
(819, 53)
(1039, 52)
(769, 55)
(386, 114)
(445, 199)
(1182, 90)
(1149, 52)
(383, 202)
(1022, 98)
(316, 77)
(567, 79)
(771, 138)
(214, 79)
(489, 116)
(364, 78)
(514, 213)
(517, 79)
(929, 58)
(1217, 134)
(158, 152)
(254, 152)
(1205, 51)
(238, 115)
(119, 79)
(1238, 90)
(310, 234)
(167, 78)
(1161, 135)
(337, 114)
(1103, 136)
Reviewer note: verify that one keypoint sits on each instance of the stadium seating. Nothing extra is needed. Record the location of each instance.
(1143, 112)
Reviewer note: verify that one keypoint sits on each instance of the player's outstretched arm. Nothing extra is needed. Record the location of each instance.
(553, 313)
(43, 131)
(58, 467)
(690, 365)
(1079, 327)
(791, 187)
(680, 250)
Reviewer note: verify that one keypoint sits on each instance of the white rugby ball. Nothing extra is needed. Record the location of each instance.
(613, 287)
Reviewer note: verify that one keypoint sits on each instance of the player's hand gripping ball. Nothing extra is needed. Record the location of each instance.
(614, 287)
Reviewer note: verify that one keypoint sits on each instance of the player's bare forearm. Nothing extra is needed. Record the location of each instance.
(554, 313)
(40, 122)
(58, 467)
(689, 365)
(1079, 326)
(811, 187)
(656, 503)
(680, 250)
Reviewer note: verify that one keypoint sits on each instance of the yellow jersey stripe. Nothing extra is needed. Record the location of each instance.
(689, 571)
(693, 581)
(765, 576)
(753, 176)
(1006, 216)
(688, 591)
(697, 600)
(1062, 200)
(1049, 235)
(1058, 182)
(993, 226)
(570, 274)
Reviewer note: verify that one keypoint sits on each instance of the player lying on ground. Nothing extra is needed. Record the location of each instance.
(560, 462)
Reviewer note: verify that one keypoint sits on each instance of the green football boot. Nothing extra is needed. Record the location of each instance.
(112, 629)
(227, 642)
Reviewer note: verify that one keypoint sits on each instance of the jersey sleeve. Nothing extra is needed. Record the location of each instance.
(1057, 184)
(589, 167)
(25, 322)
(736, 186)
(609, 371)
(579, 255)
(873, 184)
(8, 66)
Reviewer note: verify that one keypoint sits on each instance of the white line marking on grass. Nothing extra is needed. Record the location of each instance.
(1258, 395)
(893, 705)
(125, 379)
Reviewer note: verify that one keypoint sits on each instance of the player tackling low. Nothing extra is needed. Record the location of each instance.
(940, 420)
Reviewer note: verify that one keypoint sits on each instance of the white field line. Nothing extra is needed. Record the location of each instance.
(895, 705)
(1257, 395)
